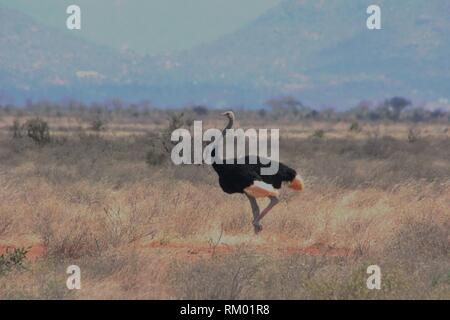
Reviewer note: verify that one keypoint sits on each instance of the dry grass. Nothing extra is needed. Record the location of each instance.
(139, 231)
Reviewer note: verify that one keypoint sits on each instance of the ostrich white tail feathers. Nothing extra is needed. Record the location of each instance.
(261, 189)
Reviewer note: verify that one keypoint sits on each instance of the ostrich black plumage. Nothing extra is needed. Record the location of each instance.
(247, 179)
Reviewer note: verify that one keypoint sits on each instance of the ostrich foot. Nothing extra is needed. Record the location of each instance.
(257, 227)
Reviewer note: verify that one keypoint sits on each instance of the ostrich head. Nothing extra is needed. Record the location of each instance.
(229, 115)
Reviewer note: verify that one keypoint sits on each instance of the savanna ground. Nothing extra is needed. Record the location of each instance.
(105, 198)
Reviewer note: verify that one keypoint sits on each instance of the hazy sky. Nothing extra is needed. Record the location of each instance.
(148, 26)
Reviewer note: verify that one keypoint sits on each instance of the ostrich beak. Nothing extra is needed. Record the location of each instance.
(224, 114)
(297, 184)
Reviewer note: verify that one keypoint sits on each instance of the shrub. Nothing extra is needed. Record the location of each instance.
(5, 224)
(155, 157)
(355, 127)
(226, 277)
(98, 125)
(16, 129)
(161, 144)
(413, 135)
(319, 134)
(12, 260)
(38, 131)
(421, 240)
(381, 148)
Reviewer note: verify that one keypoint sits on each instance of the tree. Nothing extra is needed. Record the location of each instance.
(396, 105)
(287, 106)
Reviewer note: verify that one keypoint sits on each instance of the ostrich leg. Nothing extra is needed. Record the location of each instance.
(255, 210)
(273, 203)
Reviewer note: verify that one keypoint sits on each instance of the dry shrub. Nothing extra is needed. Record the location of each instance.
(5, 224)
(421, 240)
(347, 281)
(16, 129)
(186, 211)
(123, 268)
(379, 148)
(161, 143)
(121, 228)
(44, 279)
(131, 272)
(51, 282)
(74, 240)
(156, 156)
(288, 277)
(413, 135)
(243, 276)
(221, 277)
(87, 236)
(324, 277)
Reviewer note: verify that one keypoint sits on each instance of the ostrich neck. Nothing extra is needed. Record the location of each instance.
(229, 126)
(224, 131)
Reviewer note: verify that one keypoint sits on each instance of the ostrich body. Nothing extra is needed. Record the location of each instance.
(247, 179)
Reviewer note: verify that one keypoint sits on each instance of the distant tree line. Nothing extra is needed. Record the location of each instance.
(285, 108)
(393, 109)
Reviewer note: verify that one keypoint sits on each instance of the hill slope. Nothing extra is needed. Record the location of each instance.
(38, 61)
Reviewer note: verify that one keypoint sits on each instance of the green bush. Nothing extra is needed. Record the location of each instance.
(155, 157)
(12, 260)
(98, 125)
(38, 131)
(319, 134)
(355, 127)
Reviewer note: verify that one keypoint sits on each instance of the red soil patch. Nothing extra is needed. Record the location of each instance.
(195, 250)
(188, 251)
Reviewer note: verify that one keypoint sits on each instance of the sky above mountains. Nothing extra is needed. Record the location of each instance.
(148, 27)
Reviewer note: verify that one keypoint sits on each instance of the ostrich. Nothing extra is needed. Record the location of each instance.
(247, 179)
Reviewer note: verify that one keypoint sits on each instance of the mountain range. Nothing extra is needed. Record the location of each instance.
(319, 51)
